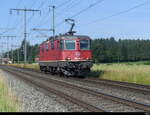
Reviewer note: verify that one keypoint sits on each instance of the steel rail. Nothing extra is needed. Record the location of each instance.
(141, 106)
(135, 87)
(126, 85)
(120, 82)
(80, 103)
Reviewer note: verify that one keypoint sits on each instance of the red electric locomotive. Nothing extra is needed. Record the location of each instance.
(66, 54)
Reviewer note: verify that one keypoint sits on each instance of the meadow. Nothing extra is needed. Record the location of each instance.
(133, 72)
(8, 102)
(31, 66)
(126, 72)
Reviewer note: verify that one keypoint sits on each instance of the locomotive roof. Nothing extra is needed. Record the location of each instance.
(68, 37)
(74, 36)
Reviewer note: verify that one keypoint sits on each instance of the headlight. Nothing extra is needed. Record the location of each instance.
(68, 58)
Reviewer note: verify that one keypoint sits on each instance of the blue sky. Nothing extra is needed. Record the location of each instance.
(130, 25)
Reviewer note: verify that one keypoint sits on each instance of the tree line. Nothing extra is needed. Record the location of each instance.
(105, 50)
(111, 50)
(18, 54)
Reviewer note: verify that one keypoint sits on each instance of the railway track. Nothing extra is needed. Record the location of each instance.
(134, 86)
(125, 85)
(47, 89)
(137, 105)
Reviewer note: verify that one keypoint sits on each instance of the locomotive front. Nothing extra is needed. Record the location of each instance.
(77, 55)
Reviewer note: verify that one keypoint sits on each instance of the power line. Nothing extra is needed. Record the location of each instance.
(69, 7)
(119, 13)
(17, 6)
(57, 7)
(8, 37)
(74, 5)
(84, 10)
(8, 23)
(25, 29)
(16, 23)
(42, 3)
(40, 6)
(64, 3)
(7, 30)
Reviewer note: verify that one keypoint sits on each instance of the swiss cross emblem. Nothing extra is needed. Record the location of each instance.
(77, 54)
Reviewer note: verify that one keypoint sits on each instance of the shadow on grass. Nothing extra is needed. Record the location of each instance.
(95, 74)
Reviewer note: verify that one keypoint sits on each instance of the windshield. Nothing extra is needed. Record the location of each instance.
(84, 44)
(70, 44)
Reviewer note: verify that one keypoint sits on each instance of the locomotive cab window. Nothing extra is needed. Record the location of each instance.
(42, 49)
(70, 44)
(46, 47)
(84, 44)
(61, 44)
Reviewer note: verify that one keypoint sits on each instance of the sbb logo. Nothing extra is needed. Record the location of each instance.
(77, 54)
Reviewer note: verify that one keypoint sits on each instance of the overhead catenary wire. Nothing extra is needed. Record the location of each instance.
(120, 13)
(43, 3)
(66, 3)
(63, 4)
(40, 6)
(10, 20)
(57, 7)
(18, 4)
(101, 19)
(69, 7)
(83, 10)
(57, 14)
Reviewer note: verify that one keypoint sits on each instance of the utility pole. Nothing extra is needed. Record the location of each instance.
(53, 28)
(25, 27)
(8, 36)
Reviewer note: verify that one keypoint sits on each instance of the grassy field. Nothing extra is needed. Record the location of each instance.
(127, 72)
(31, 66)
(133, 72)
(8, 102)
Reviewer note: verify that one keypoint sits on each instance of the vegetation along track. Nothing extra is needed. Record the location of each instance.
(140, 106)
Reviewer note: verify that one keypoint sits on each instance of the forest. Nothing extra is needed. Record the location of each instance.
(105, 50)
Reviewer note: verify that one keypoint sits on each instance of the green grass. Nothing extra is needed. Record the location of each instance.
(31, 66)
(8, 102)
(133, 73)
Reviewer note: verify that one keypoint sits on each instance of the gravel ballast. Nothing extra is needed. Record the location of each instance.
(32, 100)
(95, 101)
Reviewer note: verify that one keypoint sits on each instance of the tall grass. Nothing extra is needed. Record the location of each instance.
(8, 102)
(124, 72)
(31, 66)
